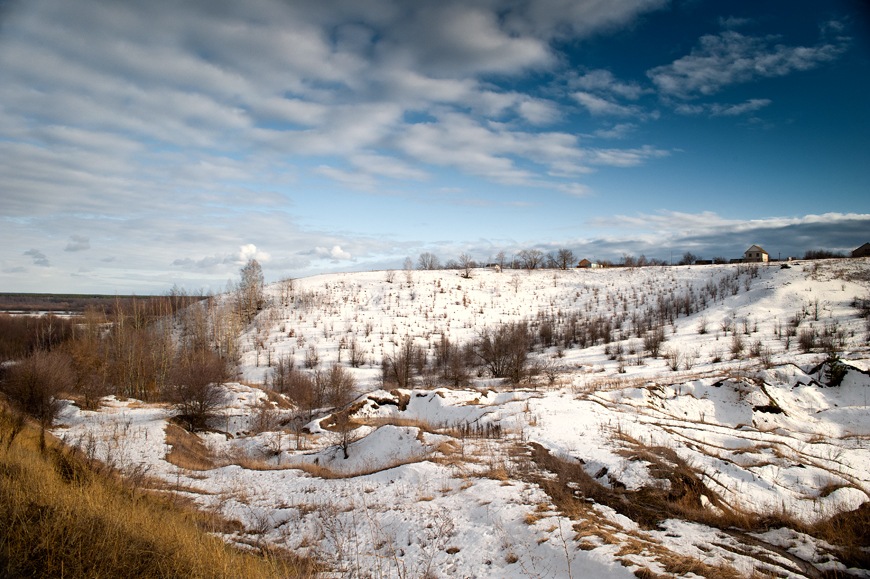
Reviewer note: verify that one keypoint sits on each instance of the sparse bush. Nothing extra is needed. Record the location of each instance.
(453, 361)
(279, 376)
(302, 390)
(356, 354)
(653, 340)
(504, 351)
(399, 368)
(197, 391)
(34, 386)
(340, 386)
(673, 357)
(755, 349)
(312, 358)
(807, 340)
(736, 345)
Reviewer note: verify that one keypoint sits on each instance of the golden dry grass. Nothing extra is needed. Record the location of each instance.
(187, 450)
(61, 518)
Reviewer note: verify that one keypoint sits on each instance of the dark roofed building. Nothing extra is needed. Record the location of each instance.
(863, 251)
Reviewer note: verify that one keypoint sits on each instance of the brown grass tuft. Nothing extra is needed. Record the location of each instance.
(187, 450)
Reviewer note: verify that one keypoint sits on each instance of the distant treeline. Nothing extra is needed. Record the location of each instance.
(79, 303)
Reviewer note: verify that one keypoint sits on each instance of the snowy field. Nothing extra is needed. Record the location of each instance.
(606, 459)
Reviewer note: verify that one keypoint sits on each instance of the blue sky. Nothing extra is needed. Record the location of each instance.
(149, 144)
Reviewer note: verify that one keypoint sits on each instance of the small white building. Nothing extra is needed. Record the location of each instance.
(756, 254)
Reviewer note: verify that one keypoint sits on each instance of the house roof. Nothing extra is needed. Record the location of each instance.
(756, 248)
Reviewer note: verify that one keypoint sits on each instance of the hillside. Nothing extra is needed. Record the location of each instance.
(666, 421)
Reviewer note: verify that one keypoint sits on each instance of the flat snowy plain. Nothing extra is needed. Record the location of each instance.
(461, 482)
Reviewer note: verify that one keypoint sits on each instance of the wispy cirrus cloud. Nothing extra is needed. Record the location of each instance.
(721, 109)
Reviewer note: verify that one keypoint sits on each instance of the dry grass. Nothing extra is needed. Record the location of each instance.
(848, 532)
(187, 450)
(321, 471)
(61, 518)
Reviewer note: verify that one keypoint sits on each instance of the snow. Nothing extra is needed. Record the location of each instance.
(416, 497)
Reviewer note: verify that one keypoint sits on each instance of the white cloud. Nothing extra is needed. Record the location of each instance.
(335, 254)
(617, 131)
(723, 110)
(248, 252)
(78, 243)
(625, 157)
(603, 81)
(601, 106)
(539, 111)
(352, 179)
(730, 58)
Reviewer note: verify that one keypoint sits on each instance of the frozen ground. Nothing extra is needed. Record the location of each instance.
(608, 462)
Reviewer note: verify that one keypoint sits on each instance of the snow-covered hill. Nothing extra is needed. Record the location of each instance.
(679, 420)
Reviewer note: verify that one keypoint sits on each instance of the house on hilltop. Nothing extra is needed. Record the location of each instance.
(586, 264)
(755, 254)
(863, 251)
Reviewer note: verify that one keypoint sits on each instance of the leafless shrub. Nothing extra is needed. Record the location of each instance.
(34, 386)
(400, 368)
(755, 349)
(690, 358)
(653, 340)
(312, 358)
(673, 356)
(278, 377)
(356, 354)
(807, 340)
(196, 386)
(736, 345)
(504, 351)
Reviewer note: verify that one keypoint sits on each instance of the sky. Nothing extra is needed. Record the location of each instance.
(145, 145)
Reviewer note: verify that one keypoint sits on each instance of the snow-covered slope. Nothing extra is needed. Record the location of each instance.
(605, 461)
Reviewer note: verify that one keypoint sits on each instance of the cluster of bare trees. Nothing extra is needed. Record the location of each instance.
(176, 348)
(312, 389)
(525, 259)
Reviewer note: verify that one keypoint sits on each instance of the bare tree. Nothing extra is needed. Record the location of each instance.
(340, 386)
(409, 270)
(501, 260)
(34, 386)
(250, 298)
(428, 261)
(550, 260)
(398, 369)
(504, 351)
(287, 286)
(531, 258)
(688, 258)
(197, 378)
(467, 264)
(280, 373)
(565, 258)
